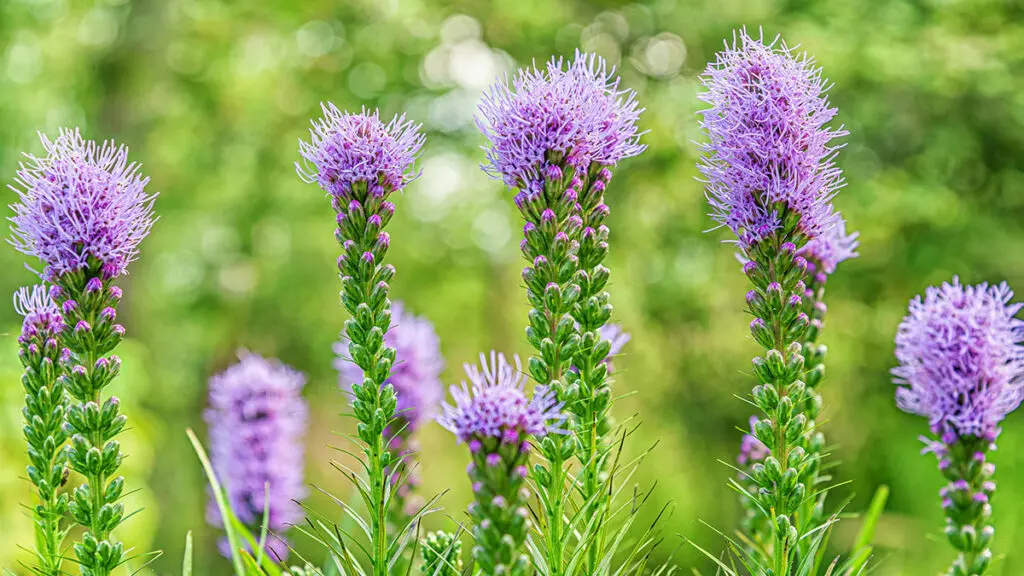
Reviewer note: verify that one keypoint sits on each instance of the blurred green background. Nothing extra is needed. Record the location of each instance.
(212, 97)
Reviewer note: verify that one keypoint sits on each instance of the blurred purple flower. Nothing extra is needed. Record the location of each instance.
(345, 148)
(257, 419)
(960, 358)
(769, 142)
(418, 365)
(751, 449)
(577, 112)
(495, 404)
(82, 200)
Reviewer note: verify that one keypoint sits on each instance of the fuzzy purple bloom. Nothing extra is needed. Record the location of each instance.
(416, 375)
(769, 142)
(42, 317)
(257, 420)
(618, 339)
(82, 200)
(577, 112)
(833, 246)
(495, 402)
(346, 148)
(960, 358)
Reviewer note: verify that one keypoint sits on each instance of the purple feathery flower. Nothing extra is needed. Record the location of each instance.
(257, 420)
(346, 148)
(495, 404)
(82, 200)
(960, 358)
(416, 375)
(833, 246)
(42, 317)
(577, 112)
(769, 140)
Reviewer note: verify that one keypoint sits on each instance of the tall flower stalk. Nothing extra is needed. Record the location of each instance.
(45, 402)
(770, 178)
(823, 255)
(360, 161)
(496, 419)
(417, 381)
(258, 420)
(83, 212)
(554, 135)
(961, 364)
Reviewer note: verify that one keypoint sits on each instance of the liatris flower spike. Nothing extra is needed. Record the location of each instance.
(360, 161)
(83, 211)
(45, 402)
(555, 134)
(416, 379)
(257, 421)
(961, 364)
(770, 179)
(442, 555)
(494, 416)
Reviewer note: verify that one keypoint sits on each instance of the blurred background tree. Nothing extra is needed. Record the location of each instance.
(212, 97)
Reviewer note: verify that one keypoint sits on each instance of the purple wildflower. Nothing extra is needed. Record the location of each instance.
(82, 200)
(833, 246)
(418, 365)
(346, 148)
(257, 420)
(752, 450)
(577, 112)
(960, 358)
(769, 142)
(496, 404)
(42, 317)
(618, 338)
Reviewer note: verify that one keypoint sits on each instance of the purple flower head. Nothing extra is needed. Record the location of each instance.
(82, 200)
(833, 246)
(416, 375)
(618, 338)
(751, 449)
(42, 317)
(769, 142)
(257, 419)
(346, 148)
(495, 401)
(960, 358)
(576, 111)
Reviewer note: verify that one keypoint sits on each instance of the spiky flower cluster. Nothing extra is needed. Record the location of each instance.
(81, 201)
(45, 403)
(360, 161)
(961, 358)
(770, 152)
(574, 111)
(345, 149)
(418, 366)
(257, 419)
(961, 364)
(498, 421)
(826, 251)
(495, 404)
